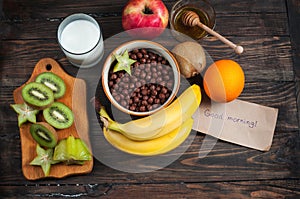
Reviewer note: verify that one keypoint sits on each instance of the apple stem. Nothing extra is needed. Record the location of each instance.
(147, 10)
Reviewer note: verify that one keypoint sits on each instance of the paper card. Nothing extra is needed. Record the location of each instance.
(239, 122)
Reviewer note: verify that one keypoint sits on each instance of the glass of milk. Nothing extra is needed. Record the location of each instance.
(80, 38)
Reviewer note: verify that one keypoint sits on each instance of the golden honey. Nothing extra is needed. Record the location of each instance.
(194, 32)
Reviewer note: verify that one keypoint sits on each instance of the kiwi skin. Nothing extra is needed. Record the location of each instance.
(59, 115)
(54, 82)
(44, 134)
(191, 58)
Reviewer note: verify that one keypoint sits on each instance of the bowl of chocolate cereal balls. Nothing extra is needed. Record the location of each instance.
(140, 77)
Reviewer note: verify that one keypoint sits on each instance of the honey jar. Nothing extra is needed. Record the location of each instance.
(203, 9)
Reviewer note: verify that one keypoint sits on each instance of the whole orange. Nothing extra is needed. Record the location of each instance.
(224, 81)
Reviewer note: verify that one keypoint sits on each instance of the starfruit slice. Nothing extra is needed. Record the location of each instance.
(44, 159)
(25, 113)
(124, 63)
(72, 151)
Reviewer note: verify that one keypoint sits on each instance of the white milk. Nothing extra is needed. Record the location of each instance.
(80, 38)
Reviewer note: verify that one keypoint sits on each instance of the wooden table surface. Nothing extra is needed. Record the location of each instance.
(268, 30)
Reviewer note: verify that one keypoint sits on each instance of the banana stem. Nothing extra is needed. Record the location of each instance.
(107, 121)
(112, 125)
(104, 117)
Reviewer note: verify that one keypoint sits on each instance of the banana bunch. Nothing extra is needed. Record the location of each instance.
(157, 133)
(155, 146)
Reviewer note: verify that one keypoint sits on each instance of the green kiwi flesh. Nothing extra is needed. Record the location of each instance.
(59, 115)
(37, 95)
(44, 134)
(54, 82)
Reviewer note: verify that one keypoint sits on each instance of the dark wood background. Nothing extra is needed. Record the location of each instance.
(268, 30)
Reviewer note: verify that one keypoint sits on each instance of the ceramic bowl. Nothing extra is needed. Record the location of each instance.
(151, 47)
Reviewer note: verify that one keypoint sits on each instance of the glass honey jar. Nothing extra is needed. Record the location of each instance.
(202, 8)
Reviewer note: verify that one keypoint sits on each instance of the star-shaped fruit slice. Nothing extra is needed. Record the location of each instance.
(72, 151)
(43, 159)
(124, 63)
(25, 113)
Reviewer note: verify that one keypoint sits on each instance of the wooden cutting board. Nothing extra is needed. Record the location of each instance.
(74, 98)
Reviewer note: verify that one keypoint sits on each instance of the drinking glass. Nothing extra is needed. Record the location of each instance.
(80, 38)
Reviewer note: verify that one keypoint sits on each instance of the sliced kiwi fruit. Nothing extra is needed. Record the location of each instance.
(37, 95)
(59, 115)
(54, 82)
(44, 134)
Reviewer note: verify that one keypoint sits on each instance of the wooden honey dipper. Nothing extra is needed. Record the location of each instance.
(191, 18)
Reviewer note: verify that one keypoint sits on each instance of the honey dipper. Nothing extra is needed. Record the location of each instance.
(190, 18)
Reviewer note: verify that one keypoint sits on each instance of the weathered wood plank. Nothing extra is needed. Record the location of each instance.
(262, 57)
(293, 7)
(250, 24)
(279, 95)
(294, 18)
(270, 189)
(276, 66)
(233, 6)
(225, 162)
(28, 33)
(239, 189)
(47, 29)
(297, 91)
(19, 10)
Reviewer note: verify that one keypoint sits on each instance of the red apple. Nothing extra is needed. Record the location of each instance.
(151, 15)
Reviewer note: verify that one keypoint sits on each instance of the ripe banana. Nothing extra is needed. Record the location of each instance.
(155, 146)
(161, 122)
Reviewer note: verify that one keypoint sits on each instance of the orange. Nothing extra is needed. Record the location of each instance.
(224, 81)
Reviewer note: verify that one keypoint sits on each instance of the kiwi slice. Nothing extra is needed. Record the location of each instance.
(44, 134)
(59, 115)
(37, 95)
(54, 82)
